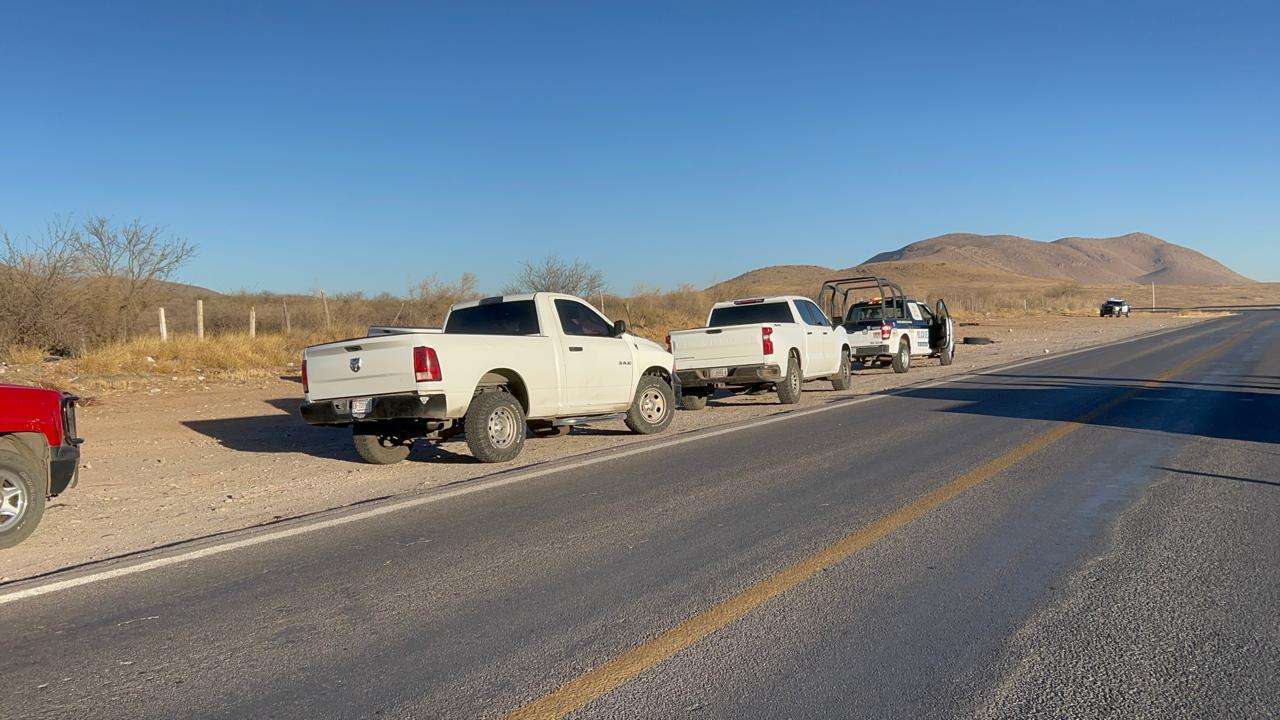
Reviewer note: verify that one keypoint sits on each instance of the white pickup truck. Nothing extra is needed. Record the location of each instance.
(498, 366)
(889, 328)
(756, 342)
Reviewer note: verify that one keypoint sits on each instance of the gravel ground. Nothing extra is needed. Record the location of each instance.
(182, 460)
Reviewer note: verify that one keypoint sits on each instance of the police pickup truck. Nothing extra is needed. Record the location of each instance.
(888, 327)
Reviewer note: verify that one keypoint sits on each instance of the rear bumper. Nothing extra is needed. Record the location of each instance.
(871, 350)
(740, 375)
(64, 468)
(384, 407)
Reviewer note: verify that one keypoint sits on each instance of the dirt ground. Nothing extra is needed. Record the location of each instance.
(182, 459)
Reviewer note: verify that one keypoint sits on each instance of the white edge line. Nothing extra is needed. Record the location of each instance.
(307, 527)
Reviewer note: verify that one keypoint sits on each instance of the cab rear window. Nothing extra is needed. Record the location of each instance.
(774, 312)
(518, 317)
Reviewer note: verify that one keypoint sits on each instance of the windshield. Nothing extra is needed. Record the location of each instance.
(775, 312)
(498, 318)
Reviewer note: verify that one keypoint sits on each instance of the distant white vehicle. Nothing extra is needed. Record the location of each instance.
(498, 366)
(752, 343)
(1114, 307)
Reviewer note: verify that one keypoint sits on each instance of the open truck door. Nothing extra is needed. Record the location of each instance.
(942, 333)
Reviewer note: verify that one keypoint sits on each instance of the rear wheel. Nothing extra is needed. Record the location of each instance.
(21, 498)
(495, 426)
(843, 379)
(652, 407)
(789, 385)
(902, 358)
(377, 447)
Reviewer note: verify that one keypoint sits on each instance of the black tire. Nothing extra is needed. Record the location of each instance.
(973, 340)
(693, 402)
(652, 407)
(948, 354)
(379, 448)
(495, 427)
(789, 385)
(21, 498)
(902, 358)
(843, 379)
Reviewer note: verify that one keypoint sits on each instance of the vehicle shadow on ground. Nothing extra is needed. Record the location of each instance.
(285, 432)
(1177, 408)
(1242, 386)
(1216, 476)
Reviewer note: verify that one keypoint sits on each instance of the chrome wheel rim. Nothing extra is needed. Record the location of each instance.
(502, 427)
(13, 502)
(906, 355)
(653, 405)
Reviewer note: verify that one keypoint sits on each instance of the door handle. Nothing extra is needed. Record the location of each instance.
(575, 348)
(809, 333)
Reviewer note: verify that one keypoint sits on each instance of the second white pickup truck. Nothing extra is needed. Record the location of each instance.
(498, 366)
(752, 343)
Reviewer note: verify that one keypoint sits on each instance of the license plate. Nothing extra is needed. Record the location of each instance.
(717, 372)
(360, 406)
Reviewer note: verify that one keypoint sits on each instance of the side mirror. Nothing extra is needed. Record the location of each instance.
(619, 328)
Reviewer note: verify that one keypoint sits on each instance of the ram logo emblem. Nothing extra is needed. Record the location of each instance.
(355, 364)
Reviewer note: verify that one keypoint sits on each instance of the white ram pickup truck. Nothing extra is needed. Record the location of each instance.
(498, 367)
(756, 342)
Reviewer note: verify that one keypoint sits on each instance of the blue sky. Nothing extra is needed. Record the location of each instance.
(360, 146)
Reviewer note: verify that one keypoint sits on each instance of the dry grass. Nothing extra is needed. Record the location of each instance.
(23, 355)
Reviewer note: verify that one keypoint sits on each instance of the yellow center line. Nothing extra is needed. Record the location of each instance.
(605, 678)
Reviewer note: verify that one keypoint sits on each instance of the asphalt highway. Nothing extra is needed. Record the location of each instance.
(1095, 535)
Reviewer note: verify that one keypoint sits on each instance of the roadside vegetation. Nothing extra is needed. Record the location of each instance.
(79, 307)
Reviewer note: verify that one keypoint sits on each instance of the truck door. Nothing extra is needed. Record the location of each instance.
(823, 358)
(919, 331)
(597, 365)
(942, 333)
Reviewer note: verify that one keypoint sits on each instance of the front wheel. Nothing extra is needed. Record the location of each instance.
(650, 410)
(902, 358)
(843, 379)
(495, 427)
(21, 498)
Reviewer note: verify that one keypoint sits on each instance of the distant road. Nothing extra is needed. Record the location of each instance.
(1207, 308)
(1096, 535)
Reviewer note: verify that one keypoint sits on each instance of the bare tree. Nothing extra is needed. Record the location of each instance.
(553, 274)
(39, 296)
(126, 264)
(431, 298)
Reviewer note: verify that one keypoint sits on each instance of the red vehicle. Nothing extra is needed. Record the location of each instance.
(39, 456)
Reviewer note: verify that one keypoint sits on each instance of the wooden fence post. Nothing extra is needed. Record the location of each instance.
(288, 327)
(328, 325)
(253, 321)
(200, 320)
(164, 328)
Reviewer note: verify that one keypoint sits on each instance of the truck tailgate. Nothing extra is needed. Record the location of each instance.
(731, 346)
(378, 365)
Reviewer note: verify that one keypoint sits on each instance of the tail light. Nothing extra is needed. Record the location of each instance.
(426, 366)
(668, 342)
(886, 329)
(766, 342)
(306, 387)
